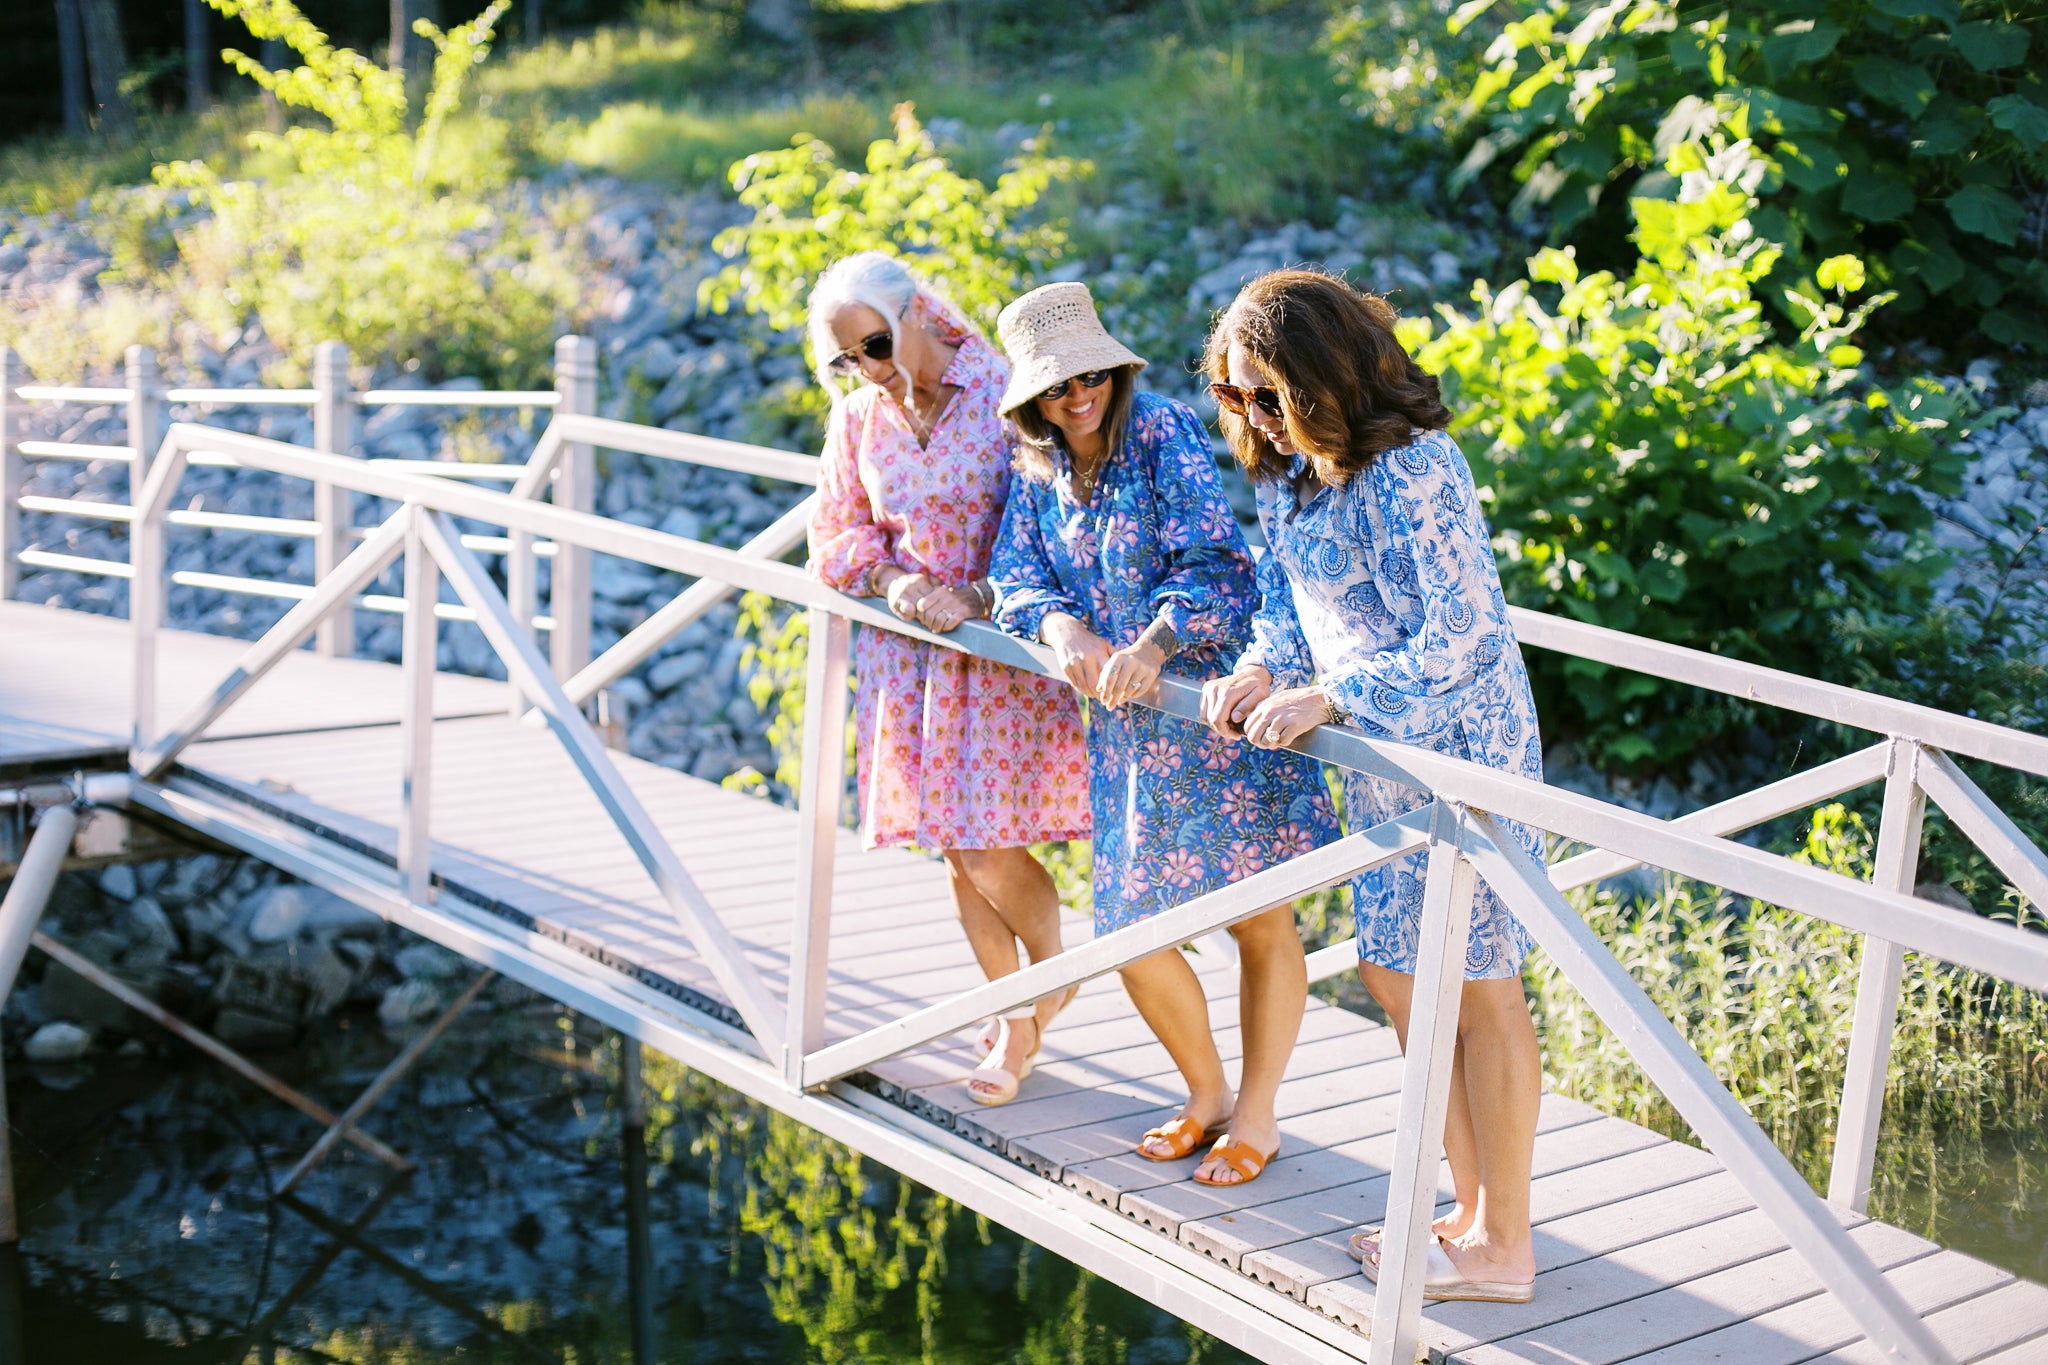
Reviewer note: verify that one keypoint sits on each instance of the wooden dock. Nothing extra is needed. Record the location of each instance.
(1647, 1249)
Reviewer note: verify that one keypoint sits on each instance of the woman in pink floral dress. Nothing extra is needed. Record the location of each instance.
(954, 753)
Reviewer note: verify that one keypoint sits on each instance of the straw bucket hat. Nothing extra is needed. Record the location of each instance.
(1051, 334)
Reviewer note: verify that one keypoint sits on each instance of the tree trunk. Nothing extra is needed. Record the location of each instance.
(107, 57)
(401, 36)
(198, 60)
(273, 54)
(532, 23)
(71, 65)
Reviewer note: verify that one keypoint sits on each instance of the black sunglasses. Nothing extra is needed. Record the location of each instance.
(1239, 400)
(880, 346)
(1087, 379)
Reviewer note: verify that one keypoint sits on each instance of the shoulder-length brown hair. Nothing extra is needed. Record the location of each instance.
(1348, 391)
(1036, 437)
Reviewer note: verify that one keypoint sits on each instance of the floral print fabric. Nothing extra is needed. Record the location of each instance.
(1386, 592)
(1177, 811)
(950, 751)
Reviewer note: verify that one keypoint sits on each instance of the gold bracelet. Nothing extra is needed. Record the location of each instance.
(1334, 714)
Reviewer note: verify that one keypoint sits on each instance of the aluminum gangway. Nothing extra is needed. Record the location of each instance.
(763, 947)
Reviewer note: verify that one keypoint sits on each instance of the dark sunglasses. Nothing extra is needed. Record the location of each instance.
(1239, 400)
(880, 346)
(1087, 379)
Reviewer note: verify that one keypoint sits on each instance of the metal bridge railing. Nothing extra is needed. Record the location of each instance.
(336, 410)
(1459, 828)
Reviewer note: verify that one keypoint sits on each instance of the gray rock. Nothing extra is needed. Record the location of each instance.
(57, 1042)
(247, 1030)
(666, 675)
(426, 960)
(13, 260)
(67, 995)
(684, 522)
(327, 913)
(278, 917)
(406, 1002)
(654, 359)
(119, 882)
(328, 977)
(621, 580)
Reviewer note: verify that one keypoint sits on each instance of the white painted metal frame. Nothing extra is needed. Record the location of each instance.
(1462, 840)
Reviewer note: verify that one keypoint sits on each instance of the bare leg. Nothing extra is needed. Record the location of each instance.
(1503, 1087)
(1394, 991)
(1004, 896)
(1490, 1131)
(1272, 994)
(1169, 998)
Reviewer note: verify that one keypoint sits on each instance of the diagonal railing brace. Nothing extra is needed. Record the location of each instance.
(722, 954)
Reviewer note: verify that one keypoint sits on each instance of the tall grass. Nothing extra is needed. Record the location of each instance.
(1767, 998)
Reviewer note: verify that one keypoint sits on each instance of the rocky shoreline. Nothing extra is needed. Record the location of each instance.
(228, 944)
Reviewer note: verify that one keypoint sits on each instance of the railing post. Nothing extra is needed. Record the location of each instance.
(145, 610)
(416, 724)
(1431, 1048)
(575, 488)
(145, 415)
(21, 909)
(1877, 988)
(334, 433)
(13, 470)
(823, 780)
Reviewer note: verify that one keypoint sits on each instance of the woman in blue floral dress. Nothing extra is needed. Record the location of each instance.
(1120, 551)
(1381, 607)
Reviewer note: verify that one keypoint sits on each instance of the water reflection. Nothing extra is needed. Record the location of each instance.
(533, 1230)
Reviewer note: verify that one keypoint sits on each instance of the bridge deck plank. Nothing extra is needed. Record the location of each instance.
(1645, 1247)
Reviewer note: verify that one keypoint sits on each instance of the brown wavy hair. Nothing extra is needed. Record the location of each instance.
(1348, 390)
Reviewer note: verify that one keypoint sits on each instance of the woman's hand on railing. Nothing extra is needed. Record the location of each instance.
(1228, 702)
(1131, 674)
(1286, 715)
(1080, 653)
(943, 609)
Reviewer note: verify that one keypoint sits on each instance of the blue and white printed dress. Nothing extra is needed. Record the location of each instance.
(1177, 811)
(1386, 592)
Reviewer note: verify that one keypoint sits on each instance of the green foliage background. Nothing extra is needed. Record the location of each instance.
(1912, 135)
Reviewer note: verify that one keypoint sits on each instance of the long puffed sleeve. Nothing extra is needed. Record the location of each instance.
(1205, 593)
(1278, 645)
(1022, 570)
(1439, 558)
(845, 540)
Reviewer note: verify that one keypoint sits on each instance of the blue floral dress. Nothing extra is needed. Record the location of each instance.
(1177, 812)
(1386, 592)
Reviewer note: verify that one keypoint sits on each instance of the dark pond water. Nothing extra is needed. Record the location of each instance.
(149, 1233)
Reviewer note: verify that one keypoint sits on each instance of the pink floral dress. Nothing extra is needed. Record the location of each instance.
(952, 751)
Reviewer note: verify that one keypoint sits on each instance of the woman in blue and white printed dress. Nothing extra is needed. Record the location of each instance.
(1381, 607)
(1119, 550)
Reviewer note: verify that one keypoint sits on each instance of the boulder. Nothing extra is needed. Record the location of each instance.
(278, 916)
(245, 1029)
(408, 1001)
(426, 961)
(57, 1042)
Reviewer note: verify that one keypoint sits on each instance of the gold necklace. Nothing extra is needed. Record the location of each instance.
(1084, 479)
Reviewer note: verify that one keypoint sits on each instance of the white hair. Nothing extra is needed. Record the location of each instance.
(870, 279)
(877, 280)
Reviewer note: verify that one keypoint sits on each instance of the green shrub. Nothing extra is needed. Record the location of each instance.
(978, 242)
(1913, 135)
(1767, 998)
(378, 236)
(1654, 460)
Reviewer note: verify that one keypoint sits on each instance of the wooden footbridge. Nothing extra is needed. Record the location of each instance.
(762, 947)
